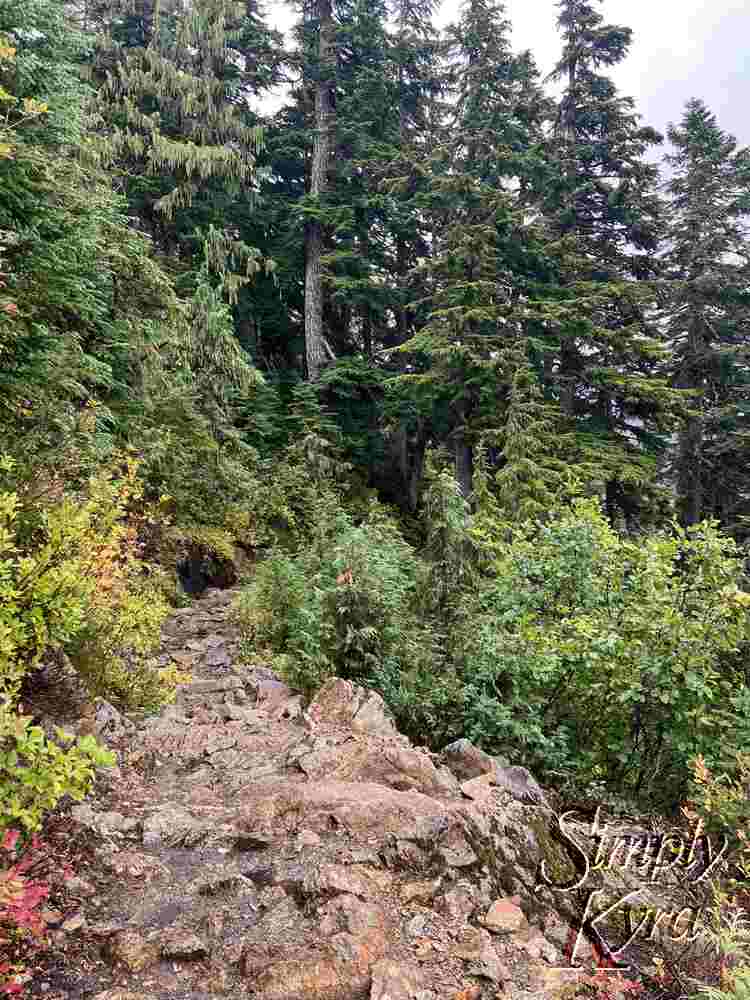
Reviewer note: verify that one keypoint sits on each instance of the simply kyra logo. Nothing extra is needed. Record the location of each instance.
(656, 859)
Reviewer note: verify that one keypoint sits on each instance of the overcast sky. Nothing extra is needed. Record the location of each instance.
(681, 49)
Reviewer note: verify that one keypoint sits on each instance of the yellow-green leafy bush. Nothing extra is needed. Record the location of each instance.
(36, 772)
(70, 578)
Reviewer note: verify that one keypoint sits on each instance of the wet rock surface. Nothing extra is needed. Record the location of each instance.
(248, 848)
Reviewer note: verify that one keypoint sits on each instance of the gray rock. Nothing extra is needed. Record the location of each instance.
(521, 784)
(180, 943)
(109, 723)
(106, 823)
(173, 826)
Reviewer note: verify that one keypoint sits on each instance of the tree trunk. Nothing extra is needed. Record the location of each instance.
(464, 464)
(411, 447)
(690, 449)
(690, 481)
(463, 452)
(324, 119)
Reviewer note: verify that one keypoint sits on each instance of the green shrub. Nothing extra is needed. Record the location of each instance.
(518, 636)
(70, 578)
(76, 581)
(343, 606)
(605, 656)
(35, 772)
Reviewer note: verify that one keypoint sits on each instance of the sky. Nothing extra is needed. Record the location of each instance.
(681, 49)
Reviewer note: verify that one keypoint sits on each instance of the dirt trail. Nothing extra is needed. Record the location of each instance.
(247, 848)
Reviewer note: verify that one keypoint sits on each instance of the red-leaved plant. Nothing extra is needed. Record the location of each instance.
(22, 924)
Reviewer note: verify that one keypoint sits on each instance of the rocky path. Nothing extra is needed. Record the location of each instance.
(246, 848)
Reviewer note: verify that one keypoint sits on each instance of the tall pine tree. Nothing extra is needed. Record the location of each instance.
(604, 218)
(482, 278)
(708, 262)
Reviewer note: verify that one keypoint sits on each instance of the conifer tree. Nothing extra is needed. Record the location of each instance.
(172, 94)
(604, 218)
(321, 71)
(708, 266)
(487, 261)
(415, 54)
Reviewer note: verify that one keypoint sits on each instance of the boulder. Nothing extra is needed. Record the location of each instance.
(467, 761)
(356, 880)
(521, 784)
(341, 703)
(478, 771)
(363, 810)
(372, 760)
(504, 916)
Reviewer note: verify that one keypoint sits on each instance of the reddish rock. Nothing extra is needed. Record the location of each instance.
(375, 761)
(283, 806)
(358, 918)
(393, 980)
(504, 917)
(472, 992)
(467, 761)
(357, 880)
(308, 978)
(338, 969)
(341, 703)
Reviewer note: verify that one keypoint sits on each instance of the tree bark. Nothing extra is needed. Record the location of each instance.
(463, 453)
(324, 121)
(690, 449)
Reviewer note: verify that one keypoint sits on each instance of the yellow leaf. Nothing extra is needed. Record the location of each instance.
(32, 107)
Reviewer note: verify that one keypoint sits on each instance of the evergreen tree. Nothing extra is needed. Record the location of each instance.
(173, 95)
(604, 219)
(85, 309)
(415, 56)
(321, 70)
(708, 265)
(487, 266)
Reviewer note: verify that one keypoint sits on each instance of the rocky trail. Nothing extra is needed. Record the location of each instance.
(246, 847)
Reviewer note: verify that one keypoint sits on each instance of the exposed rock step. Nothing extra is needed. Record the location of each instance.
(249, 848)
